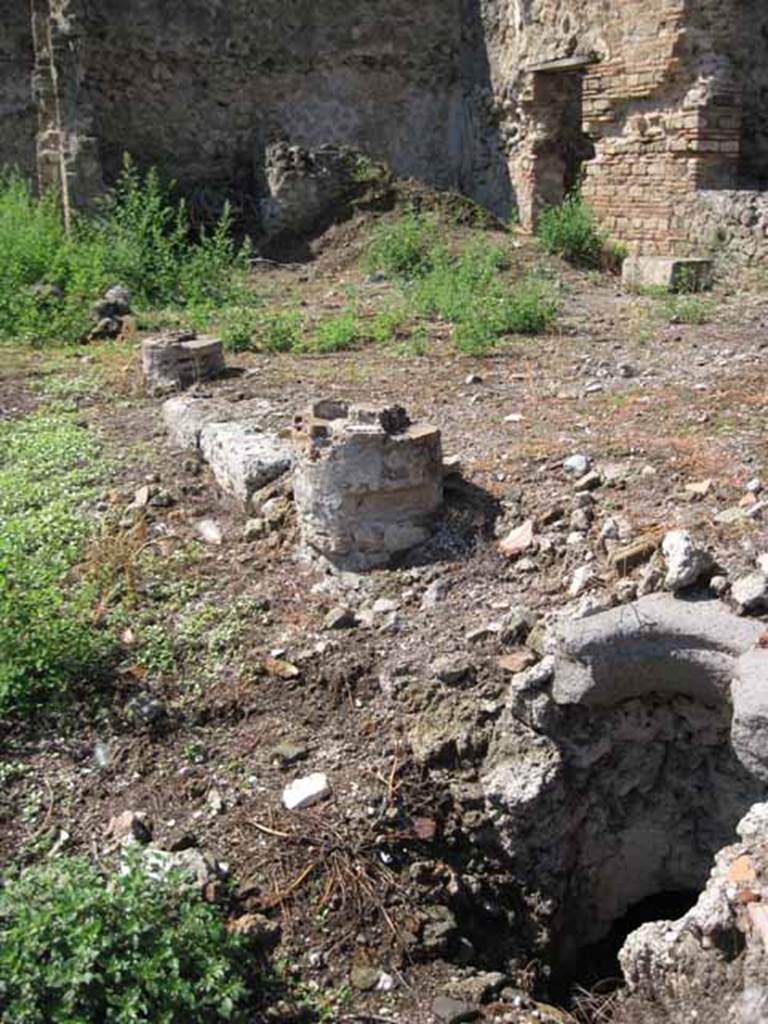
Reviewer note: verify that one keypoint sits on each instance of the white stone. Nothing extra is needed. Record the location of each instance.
(751, 592)
(580, 581)
(685, 562)
(577, 465)
(306, 791)
(209, 531)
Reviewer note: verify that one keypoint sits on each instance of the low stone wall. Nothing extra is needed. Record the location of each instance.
(731, 225)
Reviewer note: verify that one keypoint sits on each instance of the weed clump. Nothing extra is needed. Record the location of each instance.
(141, 238)
(570, 230)
(77, 946)
(48, 468)
(403, 247)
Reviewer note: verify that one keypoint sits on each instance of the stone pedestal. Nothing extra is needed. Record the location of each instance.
(670, 273)
(368, 483)
(177, 361)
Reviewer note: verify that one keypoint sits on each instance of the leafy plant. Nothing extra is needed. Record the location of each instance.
(403, 247)
(338, 333)
(570, 230)
(76, 946)
(48, 466)
(280, 330)
(141, 238)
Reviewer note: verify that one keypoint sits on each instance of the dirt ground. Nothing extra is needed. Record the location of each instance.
(260, 692)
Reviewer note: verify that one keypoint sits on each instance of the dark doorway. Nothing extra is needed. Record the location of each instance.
(559, 146)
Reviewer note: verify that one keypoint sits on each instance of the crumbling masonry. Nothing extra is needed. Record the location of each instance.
(659, 105)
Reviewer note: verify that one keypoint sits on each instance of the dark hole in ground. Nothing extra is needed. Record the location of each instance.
(597, 965)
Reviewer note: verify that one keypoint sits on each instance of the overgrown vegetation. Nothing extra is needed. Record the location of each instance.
(48, 468)
(571, 231)
(76, 946)
(463, 288)
(140, 238)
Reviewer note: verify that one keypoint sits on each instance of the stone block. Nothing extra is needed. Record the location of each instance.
(368, 484)
(177, 361)
(670, 273)
(244, 458)
(185, 415)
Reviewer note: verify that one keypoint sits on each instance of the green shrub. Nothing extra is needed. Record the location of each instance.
(467, 291)
(571, 231)
(280, 330)
(79, 948)
(141, 238)
(688, 309)
(338, 333)
(403, 247)
(48, 466)
(386, 323)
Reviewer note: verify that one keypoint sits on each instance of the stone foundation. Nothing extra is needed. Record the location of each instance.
(177, 361)
(368, 483)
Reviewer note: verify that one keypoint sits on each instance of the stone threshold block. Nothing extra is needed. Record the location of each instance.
(673, 274)
(368, 483)
(185, 416)
(177, 361)
(244, 458)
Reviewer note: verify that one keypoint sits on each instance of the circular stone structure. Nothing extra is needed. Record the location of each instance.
(368, 483)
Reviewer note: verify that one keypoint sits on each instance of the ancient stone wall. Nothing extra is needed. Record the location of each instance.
(17, 111)
(508, 101)
(225, 79)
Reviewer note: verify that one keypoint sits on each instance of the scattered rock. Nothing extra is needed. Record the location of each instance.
(750, 593)
(699, 489)
(306, 791)
(209, 530)
(453, 1011)
(434, 594)
(685, 562)
(339, 617)
(288, 753)
(130, 826)
(581, 580)
(732, 515)
(279, 669)
(364, 979)
(451, 669)
(577, 465)
(589, 482)
(257, 927)
(718, 585)
(517, 541)
(516, 661)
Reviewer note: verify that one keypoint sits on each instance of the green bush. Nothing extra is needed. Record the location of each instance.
(140, 238)
(79, 948)
(467, 291)
(280, 330)
(571, 231)
(403, 247)
(338, 333)
(48, 466)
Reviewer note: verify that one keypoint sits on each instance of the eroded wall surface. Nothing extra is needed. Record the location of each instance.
(17, 111)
